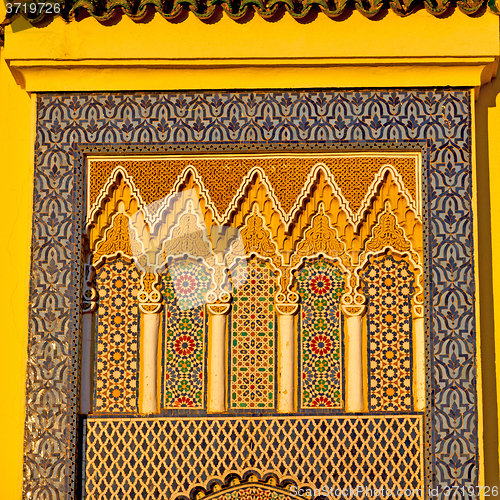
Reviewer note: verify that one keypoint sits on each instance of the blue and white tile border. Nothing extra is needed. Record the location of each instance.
(436, 122)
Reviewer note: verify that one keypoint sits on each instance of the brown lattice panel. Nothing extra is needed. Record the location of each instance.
(222, 177)
(166, 458)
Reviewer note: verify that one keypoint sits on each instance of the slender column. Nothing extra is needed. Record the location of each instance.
(151, 322)
(355, 401)
(89, 306)
(86, 383)
(150, 307)
(419, 365)
(286, 357)
(217, 366)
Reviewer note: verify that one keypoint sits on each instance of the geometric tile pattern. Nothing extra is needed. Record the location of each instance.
(321, 285)
(388, 286)
(252, 345)
(167, 458)
(117, 338)
(189, 282)
(184, 337)
(436, 122)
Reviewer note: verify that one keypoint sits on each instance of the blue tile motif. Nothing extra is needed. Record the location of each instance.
(437, 122)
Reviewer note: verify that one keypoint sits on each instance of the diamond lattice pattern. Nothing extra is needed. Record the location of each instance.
(166, 458)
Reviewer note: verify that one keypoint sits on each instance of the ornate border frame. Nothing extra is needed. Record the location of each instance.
(70, 126)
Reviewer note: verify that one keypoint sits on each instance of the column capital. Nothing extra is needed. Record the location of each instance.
(353, 304)
(418, 311)
(218, 304)
(287, 304)
(149, 297)
(89, 299)
(218, 309)
(285, 309)
(354, 309)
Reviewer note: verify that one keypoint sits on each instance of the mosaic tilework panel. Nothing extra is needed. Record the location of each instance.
(184, 335)
(321, 285)
(252, 345)
(438, 122)
(167, 459)
(117, 337)
(389, 287)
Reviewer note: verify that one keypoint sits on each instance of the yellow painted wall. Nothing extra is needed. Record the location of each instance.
(192, 39)
(488, 260)
(418, 50)
(16, 179)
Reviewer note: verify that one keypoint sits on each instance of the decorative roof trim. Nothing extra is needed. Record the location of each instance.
(238, 10)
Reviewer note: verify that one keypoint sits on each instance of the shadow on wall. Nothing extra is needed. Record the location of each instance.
(488, 234)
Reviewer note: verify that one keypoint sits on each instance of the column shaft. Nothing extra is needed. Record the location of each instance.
(217, 364)
(149, 352)
(86, 383)
(419, 365)
(355, 399)
(286, 364)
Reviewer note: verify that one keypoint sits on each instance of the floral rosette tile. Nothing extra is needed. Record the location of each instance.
(184, 288)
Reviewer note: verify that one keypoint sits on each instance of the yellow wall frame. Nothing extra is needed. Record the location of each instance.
(418, 51)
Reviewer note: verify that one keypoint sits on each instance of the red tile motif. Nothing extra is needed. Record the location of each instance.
(253, 338)
(184, 317)
(116, 363)
(388, 284)
(321, 285)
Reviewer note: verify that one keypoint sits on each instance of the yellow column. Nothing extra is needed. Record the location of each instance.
(419, 362)
(286, 357)
(355, 401)
(217, 366)
(150, 307)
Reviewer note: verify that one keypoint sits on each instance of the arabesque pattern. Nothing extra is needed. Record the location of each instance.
(117, 338)
(320, 285)
(389, 288)
(252, 344)
(436, 122)
(184, 335)
(223, 177)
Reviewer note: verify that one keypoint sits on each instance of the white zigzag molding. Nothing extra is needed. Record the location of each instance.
(256, 172)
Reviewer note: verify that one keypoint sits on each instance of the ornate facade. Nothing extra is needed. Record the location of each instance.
(242, 294)
(282, 302)
(283, 275)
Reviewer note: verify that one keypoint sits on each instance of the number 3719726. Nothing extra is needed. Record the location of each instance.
(33, 8)
(471, 491)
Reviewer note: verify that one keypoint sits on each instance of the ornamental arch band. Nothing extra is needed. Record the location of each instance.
(313, 322)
